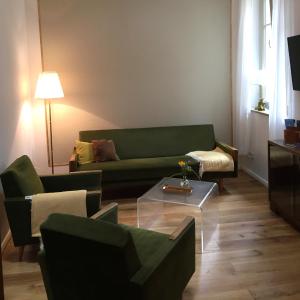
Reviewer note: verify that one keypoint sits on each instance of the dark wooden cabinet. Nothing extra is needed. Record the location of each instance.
(1, 274)
(296, 199)
(284, 181)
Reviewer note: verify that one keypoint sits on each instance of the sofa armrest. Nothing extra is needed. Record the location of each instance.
(73, 162)
(233, 152)
(229, 149)
(86, 180)
(109, 213)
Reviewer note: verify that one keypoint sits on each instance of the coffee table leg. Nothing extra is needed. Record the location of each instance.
(202, 238)
(209, 222)
(148, 213)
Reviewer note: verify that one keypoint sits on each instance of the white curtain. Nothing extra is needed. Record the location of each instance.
(244, 67)
(279, 87)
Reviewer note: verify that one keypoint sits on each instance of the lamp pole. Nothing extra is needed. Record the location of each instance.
(51, 136)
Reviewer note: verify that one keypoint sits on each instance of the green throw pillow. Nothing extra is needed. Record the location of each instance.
(85, 152)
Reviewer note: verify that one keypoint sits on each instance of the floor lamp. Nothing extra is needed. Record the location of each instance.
(48, 87)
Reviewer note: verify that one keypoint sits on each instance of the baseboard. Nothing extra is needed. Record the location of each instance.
(5, 240)
(255, 176)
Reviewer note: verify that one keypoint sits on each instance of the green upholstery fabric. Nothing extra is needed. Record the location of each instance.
(100, 260)
(101, 240)
(168, 268)
(88, 180)
(21, 179)
(93, 201)
(149, 154)
(147, 242)
(109, 216)
(18, 211)
(156, 141)
(139, 168)
(91, 259)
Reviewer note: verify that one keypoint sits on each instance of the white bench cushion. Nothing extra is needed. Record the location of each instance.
(213, 161)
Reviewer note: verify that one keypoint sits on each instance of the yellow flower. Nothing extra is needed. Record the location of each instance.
(182, 163)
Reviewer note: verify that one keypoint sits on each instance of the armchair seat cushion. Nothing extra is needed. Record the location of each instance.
(139, 168)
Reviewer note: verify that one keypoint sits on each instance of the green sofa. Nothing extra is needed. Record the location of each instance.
(100, 259)
(148, 154)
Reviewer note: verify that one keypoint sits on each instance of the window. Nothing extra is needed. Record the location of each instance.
(267, 34)
(266, 45)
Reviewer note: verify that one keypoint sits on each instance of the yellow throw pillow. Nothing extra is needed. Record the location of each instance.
(85, 152)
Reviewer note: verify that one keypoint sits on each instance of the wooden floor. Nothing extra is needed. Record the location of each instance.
(254, 256)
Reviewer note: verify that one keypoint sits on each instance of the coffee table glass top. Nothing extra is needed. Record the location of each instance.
(201, 191)
(162, 211)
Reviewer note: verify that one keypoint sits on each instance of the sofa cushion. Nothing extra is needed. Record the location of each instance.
(139, 168)
(104, 150)
(156, 141)
(84, 151)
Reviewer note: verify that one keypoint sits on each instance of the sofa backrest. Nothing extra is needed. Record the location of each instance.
(156, 141)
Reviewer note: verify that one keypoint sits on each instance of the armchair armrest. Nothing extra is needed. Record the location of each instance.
(73, 162)
(181, 228)
(18, 210)
(109, 213)
(87, 180)
(178, 256)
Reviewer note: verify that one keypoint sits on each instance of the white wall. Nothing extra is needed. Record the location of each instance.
(137, 63)
(19, 64)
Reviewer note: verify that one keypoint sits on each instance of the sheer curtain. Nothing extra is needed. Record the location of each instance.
(244, 67)
(279, 87)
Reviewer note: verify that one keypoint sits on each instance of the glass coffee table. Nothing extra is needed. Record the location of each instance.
(162, 211)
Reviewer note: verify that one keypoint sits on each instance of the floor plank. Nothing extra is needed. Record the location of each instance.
(254, 255)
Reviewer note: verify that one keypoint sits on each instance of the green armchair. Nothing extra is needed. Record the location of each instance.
(100, 259)
(20, 179)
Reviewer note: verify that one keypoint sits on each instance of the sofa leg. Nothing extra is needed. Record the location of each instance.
(221, 184)
(21, 252)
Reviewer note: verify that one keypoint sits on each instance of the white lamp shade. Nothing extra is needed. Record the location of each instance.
(48, 86)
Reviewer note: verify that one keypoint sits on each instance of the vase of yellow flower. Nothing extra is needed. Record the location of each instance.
(184, 182)
(185, 170)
